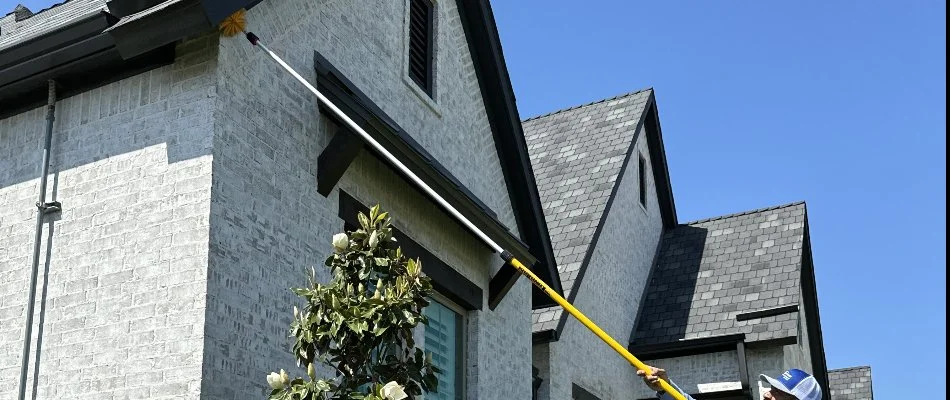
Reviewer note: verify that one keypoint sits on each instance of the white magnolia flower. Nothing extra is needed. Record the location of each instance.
(373, 240)
(275, 380)
(393, 391)
(341, 242)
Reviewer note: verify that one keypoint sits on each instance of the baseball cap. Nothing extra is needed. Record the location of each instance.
(797, 383)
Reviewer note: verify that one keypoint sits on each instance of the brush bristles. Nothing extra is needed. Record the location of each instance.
(233, 24)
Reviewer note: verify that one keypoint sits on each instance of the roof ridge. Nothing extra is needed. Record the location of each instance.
(850, 368)
(50, 7)
(587, 104)
(741, 213)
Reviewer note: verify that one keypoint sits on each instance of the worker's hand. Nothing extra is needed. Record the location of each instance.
(653, 378)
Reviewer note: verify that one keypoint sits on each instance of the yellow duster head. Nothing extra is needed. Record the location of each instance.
(233, 24)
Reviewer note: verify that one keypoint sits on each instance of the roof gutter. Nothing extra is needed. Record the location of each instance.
(79, 56)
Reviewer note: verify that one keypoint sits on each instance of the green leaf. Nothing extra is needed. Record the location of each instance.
(363, 221)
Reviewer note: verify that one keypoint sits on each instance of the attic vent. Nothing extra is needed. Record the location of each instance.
(21, 12)
(420, 44)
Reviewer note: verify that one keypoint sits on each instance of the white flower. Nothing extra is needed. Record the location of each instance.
(373, 240)
(275, 380)
(341, 242)
(393, 391)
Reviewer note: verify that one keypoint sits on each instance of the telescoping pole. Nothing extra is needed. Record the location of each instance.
(507, 256)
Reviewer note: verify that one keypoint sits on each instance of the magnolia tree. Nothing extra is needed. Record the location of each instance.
(361, 323)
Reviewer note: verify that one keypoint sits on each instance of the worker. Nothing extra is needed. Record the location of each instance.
(793, 384)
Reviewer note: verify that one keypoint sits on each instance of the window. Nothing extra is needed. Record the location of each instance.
(642, 171)
(444, 339)
(420, 43)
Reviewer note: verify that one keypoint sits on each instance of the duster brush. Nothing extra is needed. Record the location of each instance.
(233, 24)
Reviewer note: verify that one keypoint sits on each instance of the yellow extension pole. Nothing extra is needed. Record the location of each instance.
(590, 325)
(508, 257)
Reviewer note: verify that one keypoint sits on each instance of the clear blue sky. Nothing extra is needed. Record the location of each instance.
(841, 104)
(838, 103)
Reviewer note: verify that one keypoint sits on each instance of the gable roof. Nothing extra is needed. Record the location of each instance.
(578, 156)
(709, 272)
(852, 383)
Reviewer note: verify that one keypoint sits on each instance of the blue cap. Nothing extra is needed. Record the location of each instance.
(797, 383)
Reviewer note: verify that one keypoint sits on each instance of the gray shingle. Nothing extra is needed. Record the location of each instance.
(734, 263)
(851, 383)
(48, 20)
(576, 155)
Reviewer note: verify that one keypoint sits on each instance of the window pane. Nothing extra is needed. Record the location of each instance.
(442, 338)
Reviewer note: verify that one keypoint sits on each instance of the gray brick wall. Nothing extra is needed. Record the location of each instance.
(610, 294)
(700, 373)
(124, 303)
(694, 372)
(851, 383)
(269, 225)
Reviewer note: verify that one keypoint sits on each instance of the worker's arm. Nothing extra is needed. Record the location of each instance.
(653, 381)
(666, 396)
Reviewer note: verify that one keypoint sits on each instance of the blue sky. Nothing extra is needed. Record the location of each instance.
(841, 104)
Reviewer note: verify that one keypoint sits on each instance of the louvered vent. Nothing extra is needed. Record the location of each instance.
(420, 43)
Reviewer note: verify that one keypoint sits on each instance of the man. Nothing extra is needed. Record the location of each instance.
(793, 384)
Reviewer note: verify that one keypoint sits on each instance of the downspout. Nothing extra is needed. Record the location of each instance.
(42, 209)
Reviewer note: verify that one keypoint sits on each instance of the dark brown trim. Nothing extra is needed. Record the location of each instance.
(767, 312)
(134, 37)
(690, 347)
(812, 314)
(743, 368)
(478, 22)
(445, 279)
(661, 171)
(775, 342)
(545, 336)
(335, 159)
(355, 104)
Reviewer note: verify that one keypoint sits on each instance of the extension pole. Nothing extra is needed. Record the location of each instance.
(508, 257)
(40, 212)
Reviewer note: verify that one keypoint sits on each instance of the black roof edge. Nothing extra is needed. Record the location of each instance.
(78, 56)
(812, 314)
(545, 336)
(689, 347)
(661, 171)
(349, 98)
(484, 44)
(603, 217)
(767, 312)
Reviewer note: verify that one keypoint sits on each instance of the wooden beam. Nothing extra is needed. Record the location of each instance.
(335, 159)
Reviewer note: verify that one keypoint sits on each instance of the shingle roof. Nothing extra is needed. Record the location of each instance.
(48, 20)
(576, 155)
(851, 383)
(709, 271)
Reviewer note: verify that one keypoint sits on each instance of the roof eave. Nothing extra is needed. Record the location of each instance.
(484, 45)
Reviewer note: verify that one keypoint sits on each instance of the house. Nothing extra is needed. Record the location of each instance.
(604, 186)
(716, 302)
(852, 383)
(191, 183)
